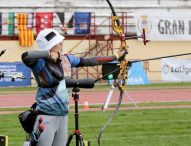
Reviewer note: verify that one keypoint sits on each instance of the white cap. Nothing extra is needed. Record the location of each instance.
(48, 38)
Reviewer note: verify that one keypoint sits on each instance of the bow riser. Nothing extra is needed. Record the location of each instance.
(117, 27)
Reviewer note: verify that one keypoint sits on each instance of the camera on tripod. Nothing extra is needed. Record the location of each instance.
(81, 83)
(76, 84)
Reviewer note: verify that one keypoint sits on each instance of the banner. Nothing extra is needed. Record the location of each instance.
(7, 20)
(176, 70)
(69, 21)
(43, 20)
(82, 22)
(137, 75)
(166, 26)
(14, 70)
(25, 29)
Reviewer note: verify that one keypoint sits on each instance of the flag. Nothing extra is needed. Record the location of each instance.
(7, 20)
(69, 20)
(82, 22)
(25, 29)
(43, 20)
(58, 22)
(26, 37)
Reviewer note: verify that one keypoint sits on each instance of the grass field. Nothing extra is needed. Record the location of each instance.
(153, 127)
(145, 127)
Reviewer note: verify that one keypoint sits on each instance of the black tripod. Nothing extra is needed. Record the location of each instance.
(79, 138)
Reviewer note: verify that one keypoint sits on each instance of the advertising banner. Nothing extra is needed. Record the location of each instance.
(166, 26)
(176, 70)
(137, 75)
(11, 74)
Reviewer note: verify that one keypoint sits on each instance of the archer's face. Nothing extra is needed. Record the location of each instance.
(57, 48)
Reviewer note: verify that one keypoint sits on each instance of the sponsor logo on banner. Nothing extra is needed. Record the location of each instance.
(166, 68)
(145, 23)
(179, 69)
(176, 70)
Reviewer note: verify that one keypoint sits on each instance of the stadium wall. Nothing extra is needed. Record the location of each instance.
(136, 51)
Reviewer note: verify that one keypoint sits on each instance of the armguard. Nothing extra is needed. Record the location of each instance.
(94, 61)
(30, 57)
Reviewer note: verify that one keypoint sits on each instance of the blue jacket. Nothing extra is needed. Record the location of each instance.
(49, 75)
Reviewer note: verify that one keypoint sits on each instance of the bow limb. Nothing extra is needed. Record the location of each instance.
(122, 76)
(117, 27)
(111, 117)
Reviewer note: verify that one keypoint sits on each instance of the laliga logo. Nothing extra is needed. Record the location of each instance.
(166, 68)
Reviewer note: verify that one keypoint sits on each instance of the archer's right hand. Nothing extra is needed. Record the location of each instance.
(54, 56)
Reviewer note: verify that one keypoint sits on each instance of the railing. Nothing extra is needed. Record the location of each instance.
(99, 25)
